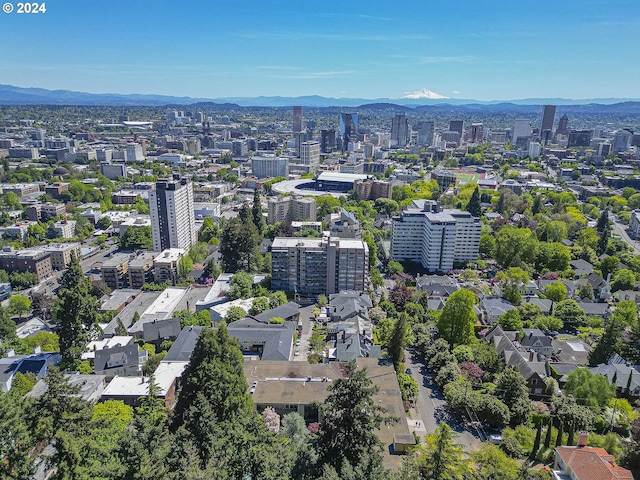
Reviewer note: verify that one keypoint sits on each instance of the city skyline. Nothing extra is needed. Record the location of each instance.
(504, 50)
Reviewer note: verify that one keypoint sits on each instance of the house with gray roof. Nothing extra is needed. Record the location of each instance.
(581, 267)
(528, 364)
(157, 331)
(493, 308)
(182, 348)
(620, 373)
(601, 287)
(290, 312)
(572, 350)
(544, 304)
(591, 309)
(124, 361)
(90, 387)
(269, 341)
(536, 340)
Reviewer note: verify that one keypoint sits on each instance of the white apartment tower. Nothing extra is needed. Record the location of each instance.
(172, 217)
(435, 239)
(310, 152)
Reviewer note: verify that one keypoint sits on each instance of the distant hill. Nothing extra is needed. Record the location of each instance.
(12, 95)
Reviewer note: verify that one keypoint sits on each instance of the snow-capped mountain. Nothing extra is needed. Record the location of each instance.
(424, 93)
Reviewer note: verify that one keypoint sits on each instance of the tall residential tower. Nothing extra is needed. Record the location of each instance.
(172, 218)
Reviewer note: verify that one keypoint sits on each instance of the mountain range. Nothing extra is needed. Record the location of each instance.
(12, 95)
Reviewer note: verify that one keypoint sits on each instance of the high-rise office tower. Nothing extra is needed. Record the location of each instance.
(327, 141)
(297, 119)
(521, 129)
(475, 133)
(563, 126)
(426, 130)
(457, 126)
(621, 141)
(348, 128)
(172, 217)
(400, 133)
(546, 126)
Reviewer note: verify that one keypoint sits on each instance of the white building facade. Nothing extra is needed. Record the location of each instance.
(172, 214)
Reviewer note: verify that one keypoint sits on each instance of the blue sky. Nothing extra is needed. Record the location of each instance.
(483, 49)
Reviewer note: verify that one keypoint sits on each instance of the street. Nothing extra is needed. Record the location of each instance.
(621, 230)
(432, 406)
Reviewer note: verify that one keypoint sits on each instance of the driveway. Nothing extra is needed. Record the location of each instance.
(432, 407)
(306, 319)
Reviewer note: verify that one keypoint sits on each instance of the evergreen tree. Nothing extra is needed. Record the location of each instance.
(456, 321)
(17, 441)
(349, 420)
(214, 420)
(441, 458)
(537, 205)
(473, 207)
(238, 242)
(604, 231)
(75, 311)
(547, 438)
(398, 339)
(256, 210)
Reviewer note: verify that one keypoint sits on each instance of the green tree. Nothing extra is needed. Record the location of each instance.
(138, 238)
(473, 207)
(556, 291)
(604, 232)
(512, 389)
(515, 247)
(609, 266)
(623, 280)
(256, 212)
(277, 299)
(398, 339)
(241, 286)
(19, 305)
(487, 245)
(17, 439)
(260, 304)
(394, 267)
(511, 282)
(214, 413)
(570, 313)
(510, 320)
(350, 417)
(554, 257)
(234, 314)
(75, 311)
(456, 321)
(440, 458)
(7, 325)
(237, 245)
(585, 292)
(529, 312)
(492, 463)
(588, 388)
(625, 315)
(548, 323)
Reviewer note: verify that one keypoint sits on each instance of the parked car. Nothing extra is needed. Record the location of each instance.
(409, 372)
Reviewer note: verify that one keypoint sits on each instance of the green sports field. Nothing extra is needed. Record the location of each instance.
(468, 177)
